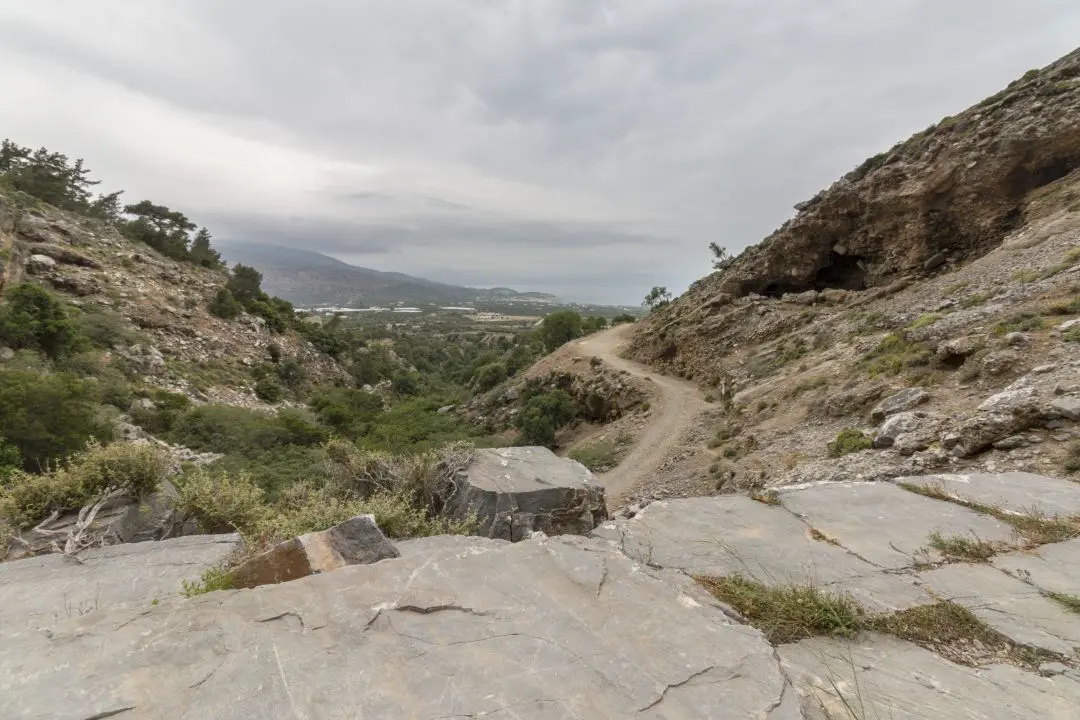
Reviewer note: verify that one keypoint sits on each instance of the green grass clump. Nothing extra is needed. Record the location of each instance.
(212, 579)
(977, 299)
(848, 441)
(893, 355)
(1022, 322)
(960, 548)
(1072, 335)
(925, 320)
(1069, 602)
(790, 612)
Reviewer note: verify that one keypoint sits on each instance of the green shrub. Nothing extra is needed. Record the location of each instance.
(488, 376)
(1070, 306)
(106, 329)
(559, 328)
(48, 416)
(215, 578)
(222, 502)
(925, 320)
(1072, 459)
(224, 305)
(28, 499)
(893, 355)
(161, 418)
(268, 390)
(228, 429)
(1072, 335)
(1021, 322)
(349, 411)
(542, 415)
(32, 317)
(848, 441)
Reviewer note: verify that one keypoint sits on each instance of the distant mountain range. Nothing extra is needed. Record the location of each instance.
(308, 278)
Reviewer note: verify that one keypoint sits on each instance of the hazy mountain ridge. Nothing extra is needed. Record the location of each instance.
(306, 277)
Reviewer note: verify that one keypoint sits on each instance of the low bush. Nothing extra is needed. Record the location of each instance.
(893, 355)
(31, 317)
(849, 440)
(268, 390)
(224, 305)
(542, 415)
(136, 469)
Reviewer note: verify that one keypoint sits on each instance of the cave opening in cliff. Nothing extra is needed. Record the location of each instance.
(840, 272)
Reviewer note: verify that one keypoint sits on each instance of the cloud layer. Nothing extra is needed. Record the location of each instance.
(590, 148)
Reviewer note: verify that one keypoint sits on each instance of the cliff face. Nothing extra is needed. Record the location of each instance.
(952, 191)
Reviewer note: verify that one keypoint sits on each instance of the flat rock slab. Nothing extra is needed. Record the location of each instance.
(882, 677)
(44, 590)
(1019, 492)
(733, 534)
(1054, 568)
(1013, 608)
(515, 491)
(885, 525)
(548, 629)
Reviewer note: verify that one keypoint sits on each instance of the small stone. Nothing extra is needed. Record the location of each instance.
(1069, 325)
(40, 263)
(1066, 407)
(892, 428)
(1018, 339)
(1043, 369)
(1011, 443)
(6, 354)
(1052, 668)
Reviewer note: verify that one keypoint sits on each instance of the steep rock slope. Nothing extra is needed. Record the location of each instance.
(952, 191)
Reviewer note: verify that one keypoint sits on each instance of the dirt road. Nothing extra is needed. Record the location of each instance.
(676, 405)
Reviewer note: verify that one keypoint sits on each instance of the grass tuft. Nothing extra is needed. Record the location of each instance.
(849, 440)
(790, 612)
(1069, 602)
(960, 548)
(768, 497)
(212, 579)
(1033, 527)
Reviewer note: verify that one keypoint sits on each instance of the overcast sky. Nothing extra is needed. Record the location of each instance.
(587, 148)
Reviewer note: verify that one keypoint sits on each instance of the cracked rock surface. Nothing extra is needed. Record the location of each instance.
(545, 628)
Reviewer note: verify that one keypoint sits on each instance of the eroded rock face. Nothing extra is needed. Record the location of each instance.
(906, 399)
(553, 628)
(514, 492)
(951, 191)
(357, 541)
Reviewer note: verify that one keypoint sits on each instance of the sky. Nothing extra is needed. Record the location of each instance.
(588, 148)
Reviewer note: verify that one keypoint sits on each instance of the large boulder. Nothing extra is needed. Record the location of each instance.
(547, 628)
(357, 541)
(514, 492)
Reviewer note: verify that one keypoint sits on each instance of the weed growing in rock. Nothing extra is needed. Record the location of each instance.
(214, 578)
(848, 441)
(977, 299)
(790, 612)
(960, 548)
(1067, 601)
(955, 633)
(1072, 335)
(1033, 527)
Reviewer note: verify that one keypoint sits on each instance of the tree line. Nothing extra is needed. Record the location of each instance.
(56, 179)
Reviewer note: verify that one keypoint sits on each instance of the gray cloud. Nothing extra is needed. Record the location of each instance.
(587, 147)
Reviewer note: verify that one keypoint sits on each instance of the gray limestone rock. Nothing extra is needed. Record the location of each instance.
(885, 525)
(883, 677)
(730, 534)
(1018, 492)
(543, 629)
(1068, 407)
(41, 591)
(904, 400)
(1012, 607)
(1053, 568)
(894, 427)
(516, 491)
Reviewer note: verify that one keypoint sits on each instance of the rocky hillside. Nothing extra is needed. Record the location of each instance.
(155, 308)
(928, 304)
(948, 194)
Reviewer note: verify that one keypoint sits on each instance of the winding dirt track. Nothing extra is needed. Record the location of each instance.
(675, 406)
